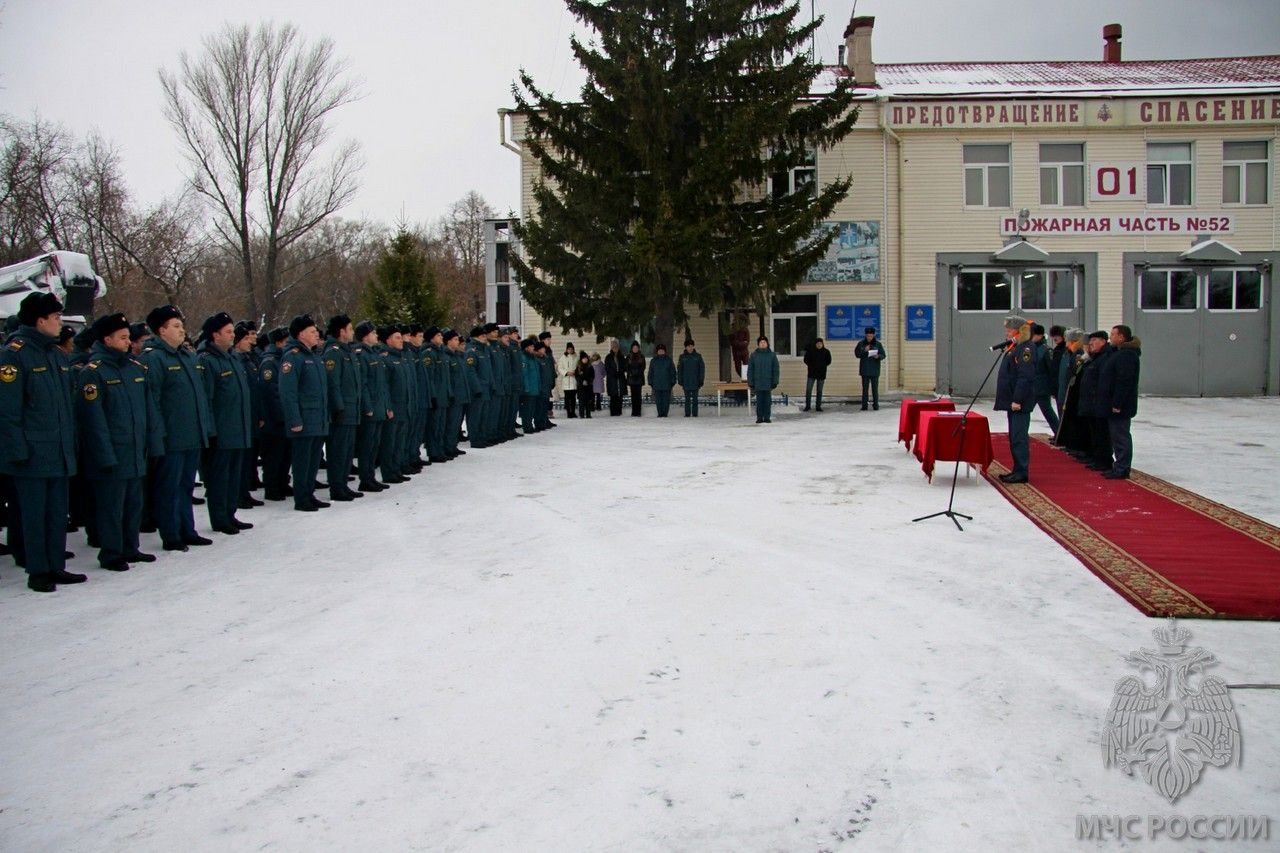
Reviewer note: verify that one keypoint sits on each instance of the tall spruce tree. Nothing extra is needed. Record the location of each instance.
(403, 286)
(651, 199)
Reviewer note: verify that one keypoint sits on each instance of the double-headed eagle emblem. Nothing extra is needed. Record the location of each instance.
(1170, 720)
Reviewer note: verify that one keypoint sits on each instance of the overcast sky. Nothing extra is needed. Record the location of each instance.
(434, 72)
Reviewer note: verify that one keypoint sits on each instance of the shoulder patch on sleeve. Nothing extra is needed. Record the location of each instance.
(16, 345)
(294, 349)
(330, 364)
(286, 367)
(267, 373)
(91, 392)
(8, 373)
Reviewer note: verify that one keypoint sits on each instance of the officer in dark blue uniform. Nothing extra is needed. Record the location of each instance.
(460, 383)
(275, 447)
(399, 390)
(433, 359)
(373, 403)
(175, 380)
(499, 369)
(343, 374)
(119, 430)
(304, 398)
(1016, 394)
(246, 349)
(38, 438)
(414, 337)
(226, 385)
(479, 366)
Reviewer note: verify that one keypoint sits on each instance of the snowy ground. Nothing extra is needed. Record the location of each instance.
(622, 635)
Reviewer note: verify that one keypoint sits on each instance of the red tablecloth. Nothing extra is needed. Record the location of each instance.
(909, 416)
(938, 440)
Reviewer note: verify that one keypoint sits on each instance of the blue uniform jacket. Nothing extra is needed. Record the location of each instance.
(304, 391)
(119, 423)
(763, 372)
(176, 381)
(662, 373)
(374, 400)
(343, 372)
(1016, 380)
(226, 384)
(479, 366)
(37, 422)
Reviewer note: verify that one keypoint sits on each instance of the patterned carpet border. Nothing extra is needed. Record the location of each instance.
(1138, 583)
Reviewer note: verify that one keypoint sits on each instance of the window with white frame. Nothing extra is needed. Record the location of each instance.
(794, 324)
(1062, 174)
(1168, 290)
(1047, 290)
(984, 290)
(1235, 290)
(1169, 173)
(796, 178)
(1244, 172)
(986, 175)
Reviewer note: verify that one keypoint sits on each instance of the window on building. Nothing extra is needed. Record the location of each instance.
(502, 304)
(1235, 290)
(1169, 173)
(501, 266)
(984, 290)
(1062, 174)
(1047, 290)
(1168, 290)
(795, 324)
(797, 178)
(986, 175)
(1244, 173)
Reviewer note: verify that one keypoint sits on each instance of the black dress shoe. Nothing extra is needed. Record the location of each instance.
(197, 540)
(140, 557)
(805, 409)
(68, 555)
(41, 583)
(319, 504)
(197, 501)
(117, 565)
(372, 487)
(819, 408)
(464, 453)
(1099, 468)
(174, 546)
(274, 496)
(243, 525)
(344, 498)
(351, 493)
(250, 503)
(288, 491)
(64, 576)
(1116, 475)
(228, 530)
(306, 508)
(1013, 478)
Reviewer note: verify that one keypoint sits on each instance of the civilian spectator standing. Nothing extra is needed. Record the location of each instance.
(226, 385)
(870, 354)
(1059, 367)
(615, 381)
(817, 359)
(38, 439)
(597, 381)
(584, 377)
(1093, 407)
(634, 375)
(1046, 383)
(763, 374)
(1073, 430)
(662, 378)
(1015, 394)
(691, 371)
(304, 398)
(1119, 381)
(175, 380)
(566, 366)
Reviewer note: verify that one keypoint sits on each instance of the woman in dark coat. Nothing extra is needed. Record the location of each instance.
(584, 376)
(635, 377)
(615, 382)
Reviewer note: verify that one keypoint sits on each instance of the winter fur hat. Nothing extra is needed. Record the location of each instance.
(448, 334)
(337, 323)
(37, 306)
(1014, 323)
(138, 331)
(1073, 335)
(300, 324)
(216, 323)
(278, 335)
(109, 325)
(83, 339)
(161, 315)
(243, 328)
(363, 328)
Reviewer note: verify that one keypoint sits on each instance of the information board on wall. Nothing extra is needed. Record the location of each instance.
(919, 322)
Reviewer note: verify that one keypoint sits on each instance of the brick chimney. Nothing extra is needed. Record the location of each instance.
(857, 40)
(1111, 43)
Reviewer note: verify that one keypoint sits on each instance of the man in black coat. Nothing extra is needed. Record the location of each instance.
(817, 358)
(615, 380)
(1119, 393)
(1016, 394)
(1093, 406)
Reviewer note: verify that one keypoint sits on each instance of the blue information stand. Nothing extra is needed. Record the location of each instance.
(866, 315)
(919, 322)
(840, 323)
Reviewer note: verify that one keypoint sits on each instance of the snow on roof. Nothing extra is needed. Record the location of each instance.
(1141, 77)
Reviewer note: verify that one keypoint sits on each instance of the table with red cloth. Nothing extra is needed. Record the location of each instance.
(909, 416)
(938, 440)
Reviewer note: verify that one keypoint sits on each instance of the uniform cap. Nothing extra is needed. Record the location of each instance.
(300, 324)
(364, 328)
(216, 323)
(36, 306)
(161, 315)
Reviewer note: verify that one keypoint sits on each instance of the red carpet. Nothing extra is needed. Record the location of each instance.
(1169, 551)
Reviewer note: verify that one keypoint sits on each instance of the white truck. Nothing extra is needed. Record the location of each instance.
(67, 275)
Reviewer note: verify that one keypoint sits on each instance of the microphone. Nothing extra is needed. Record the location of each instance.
(1001, 345)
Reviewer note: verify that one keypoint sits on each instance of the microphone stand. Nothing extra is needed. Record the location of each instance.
(961, 429)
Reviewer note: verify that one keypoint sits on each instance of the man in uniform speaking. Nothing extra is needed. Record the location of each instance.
(1016, 393)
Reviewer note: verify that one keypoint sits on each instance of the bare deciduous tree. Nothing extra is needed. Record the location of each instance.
(252, 111)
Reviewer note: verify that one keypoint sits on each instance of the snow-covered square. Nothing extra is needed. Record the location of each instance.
(628, 634)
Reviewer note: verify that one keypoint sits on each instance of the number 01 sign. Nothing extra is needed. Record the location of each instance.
(1117, 181)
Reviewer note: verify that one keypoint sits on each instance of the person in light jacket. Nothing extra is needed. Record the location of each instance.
(566, 366)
